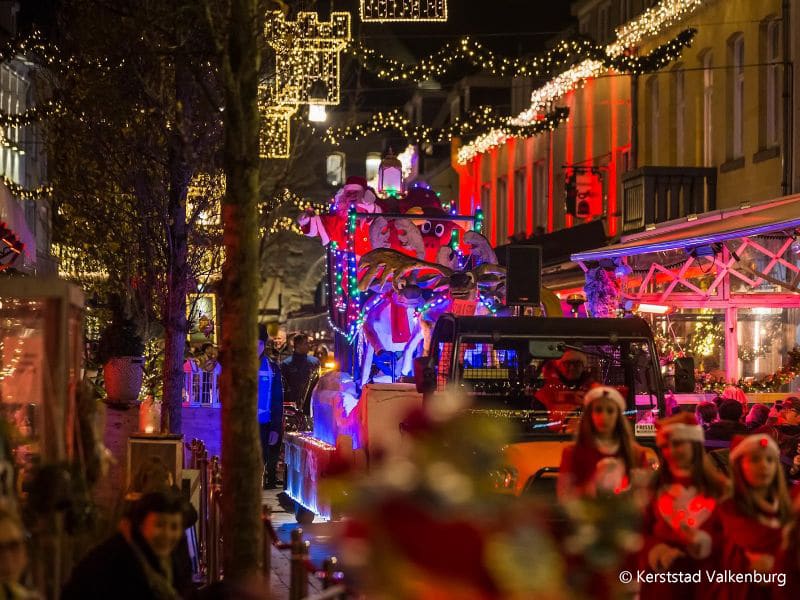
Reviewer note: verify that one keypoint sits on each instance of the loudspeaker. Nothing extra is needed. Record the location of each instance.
(523, 275)
(684, 375)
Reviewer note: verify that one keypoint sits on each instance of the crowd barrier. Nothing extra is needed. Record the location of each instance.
(209, 533)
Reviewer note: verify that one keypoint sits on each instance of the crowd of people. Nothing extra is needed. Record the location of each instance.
(725, 528)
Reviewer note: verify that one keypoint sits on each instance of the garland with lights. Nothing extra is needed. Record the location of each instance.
(31, 115)
(472, 52)
(481, 118)
(769, 383)
(22, 193)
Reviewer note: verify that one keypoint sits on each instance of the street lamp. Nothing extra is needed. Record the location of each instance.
(317, 98)
(390, 174)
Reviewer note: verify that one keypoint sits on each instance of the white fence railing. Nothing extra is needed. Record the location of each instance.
(201, 387)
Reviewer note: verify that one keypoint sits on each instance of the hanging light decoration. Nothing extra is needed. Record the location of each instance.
(274, 138)
(382, 11)
(307, 56)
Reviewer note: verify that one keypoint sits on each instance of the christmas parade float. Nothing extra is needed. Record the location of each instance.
(416, 294)
(397, 259)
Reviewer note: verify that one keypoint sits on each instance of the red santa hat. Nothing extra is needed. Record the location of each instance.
(604, 391)
(744, 444)
(682, 427)
(354, 182)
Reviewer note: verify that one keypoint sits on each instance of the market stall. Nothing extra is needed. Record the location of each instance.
(722, 288)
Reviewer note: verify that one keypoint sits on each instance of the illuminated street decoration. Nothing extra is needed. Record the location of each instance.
(274, 138)
(652, 22)
(204, 198)
(307, 56)
(382, 11)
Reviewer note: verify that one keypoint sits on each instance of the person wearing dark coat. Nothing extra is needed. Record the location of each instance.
(301, 373)
(729, 423)
(136, 563)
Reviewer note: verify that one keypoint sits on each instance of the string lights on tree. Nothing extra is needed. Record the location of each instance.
(407, 11)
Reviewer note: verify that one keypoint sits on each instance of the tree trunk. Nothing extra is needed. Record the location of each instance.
(175, 328)
(241, 454)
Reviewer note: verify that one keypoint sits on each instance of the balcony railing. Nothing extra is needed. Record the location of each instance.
(200, 387)
(657, 194)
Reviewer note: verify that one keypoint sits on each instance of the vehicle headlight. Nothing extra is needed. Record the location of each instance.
(504, 478)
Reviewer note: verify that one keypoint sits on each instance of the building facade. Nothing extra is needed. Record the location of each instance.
(23, 161)
(704, 142)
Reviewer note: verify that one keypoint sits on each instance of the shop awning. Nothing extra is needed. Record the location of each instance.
(716, 226)
(13, 215)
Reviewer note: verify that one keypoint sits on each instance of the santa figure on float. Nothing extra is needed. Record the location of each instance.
(332, 227)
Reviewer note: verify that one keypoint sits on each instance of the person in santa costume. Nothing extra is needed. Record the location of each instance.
(756, 520)
(681, 528)
(332, 227)
(604, 457)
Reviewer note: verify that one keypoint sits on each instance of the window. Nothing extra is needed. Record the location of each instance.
(501, 221)
(335, 169)
(520, 202)
(625, 11)
(772, 91)
(653, 107)
(486, 197)
(602, 23)
(708, 99)
(540, 194)
(624, 160)
(680, 109)
(520, 94)
(372, 167)
(455, 109)
(736, 91)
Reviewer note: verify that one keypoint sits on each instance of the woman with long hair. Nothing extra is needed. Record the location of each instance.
(681, 527)
(604, 455)
(756, 521)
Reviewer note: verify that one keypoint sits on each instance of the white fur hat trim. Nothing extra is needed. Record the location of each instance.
(681, 432)
(604, 391)
(751, 442)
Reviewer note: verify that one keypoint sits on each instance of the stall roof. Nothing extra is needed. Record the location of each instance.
(715, 226)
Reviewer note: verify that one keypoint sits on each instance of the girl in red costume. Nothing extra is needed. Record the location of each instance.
(755, 521)
(681, 526)
(604, 455)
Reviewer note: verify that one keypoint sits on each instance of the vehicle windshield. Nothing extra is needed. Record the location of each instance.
(543, 381)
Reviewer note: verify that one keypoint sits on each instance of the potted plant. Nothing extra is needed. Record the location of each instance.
(120, 351)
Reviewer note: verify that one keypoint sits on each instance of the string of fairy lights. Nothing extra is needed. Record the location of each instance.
(407, 11)
(481, 118)
(308, 51)
(471, 52)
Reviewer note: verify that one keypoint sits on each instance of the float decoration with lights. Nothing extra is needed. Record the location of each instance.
(11, 247)
(397, 259)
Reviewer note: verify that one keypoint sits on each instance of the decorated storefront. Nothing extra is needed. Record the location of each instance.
(722, 288)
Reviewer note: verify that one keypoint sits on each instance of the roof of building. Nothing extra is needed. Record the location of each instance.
(782, 214)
